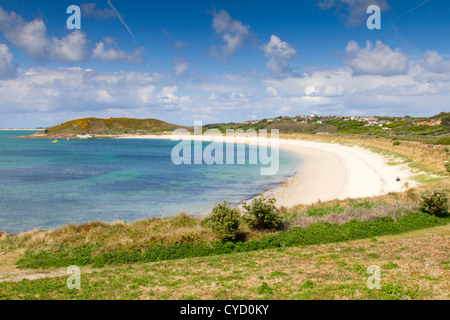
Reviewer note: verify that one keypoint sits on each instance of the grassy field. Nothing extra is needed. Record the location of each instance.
(413, 266)
(322, 253)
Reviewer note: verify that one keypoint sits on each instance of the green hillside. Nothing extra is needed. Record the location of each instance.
(432, 130)
(113, 126)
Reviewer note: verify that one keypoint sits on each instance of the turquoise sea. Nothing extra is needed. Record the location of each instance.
(45, 185)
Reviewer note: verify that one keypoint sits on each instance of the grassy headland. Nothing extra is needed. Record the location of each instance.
(111, 126)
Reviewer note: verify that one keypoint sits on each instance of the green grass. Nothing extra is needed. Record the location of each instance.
(323, 211)
(424, 178)
(291, 273)
(320, 233)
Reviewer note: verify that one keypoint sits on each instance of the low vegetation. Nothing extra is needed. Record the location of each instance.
(435, 203)
(113, 126)
(413, 267)
(83, 254)
(262, 213)
(224, 221)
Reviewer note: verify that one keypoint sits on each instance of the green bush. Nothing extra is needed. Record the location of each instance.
(434, 203)
(224, 221)
(447, 166)
(262, 214)
(396, 143)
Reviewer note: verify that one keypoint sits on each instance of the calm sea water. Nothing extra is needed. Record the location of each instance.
(45, 185)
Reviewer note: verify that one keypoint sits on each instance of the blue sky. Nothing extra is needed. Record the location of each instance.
(221, 61)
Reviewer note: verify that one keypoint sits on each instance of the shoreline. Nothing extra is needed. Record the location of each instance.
(330, 171)
(22, 129)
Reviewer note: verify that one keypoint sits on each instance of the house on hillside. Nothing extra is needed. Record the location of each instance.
(430, 124)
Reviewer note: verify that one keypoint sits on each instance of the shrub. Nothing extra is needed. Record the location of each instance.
(224, 221)
(262, 214)
(434, 203)
(396, 143)
(447, 166)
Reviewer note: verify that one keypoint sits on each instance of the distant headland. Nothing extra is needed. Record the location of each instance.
(105, 127)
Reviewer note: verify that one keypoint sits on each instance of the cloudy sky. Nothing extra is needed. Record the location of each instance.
(221, 61)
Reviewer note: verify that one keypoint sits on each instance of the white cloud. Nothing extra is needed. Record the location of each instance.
(325, 90)
(339, 91)
(72, 48)
(32, 36)
(73, 90)
(434, 62)
(278, 52)
(216, 87)
(233, 33)
(8, 68)
(271, 91)
(168, 95)
(353, 12)
(104, 96)
(108, 51)
(181, 66)
(378, 60)
(235, 77)
(145, 94)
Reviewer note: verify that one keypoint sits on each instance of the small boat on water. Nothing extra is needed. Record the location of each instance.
(55, 141)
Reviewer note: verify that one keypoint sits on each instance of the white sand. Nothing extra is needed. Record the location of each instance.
(333, 171)
(330, 171)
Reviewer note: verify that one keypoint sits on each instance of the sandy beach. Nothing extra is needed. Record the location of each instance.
(330, 171)
(333, 171)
